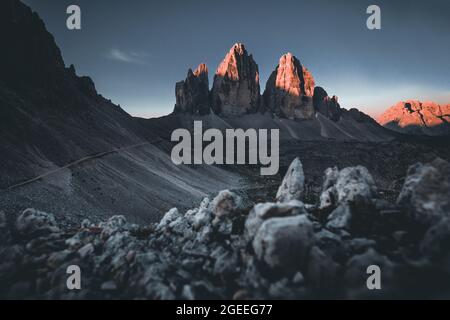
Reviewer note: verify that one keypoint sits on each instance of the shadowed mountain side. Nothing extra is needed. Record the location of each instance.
(351, 126)
(442, 129)
(65, 148)
(49, 116)
(141, 183)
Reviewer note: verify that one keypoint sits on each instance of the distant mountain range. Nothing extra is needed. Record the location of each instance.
(418, 118)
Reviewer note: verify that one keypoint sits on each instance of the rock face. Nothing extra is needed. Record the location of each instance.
(192, 94)
(418, 118)
(236, 88)
(426, 192)
(293, 184)
(290, 89)
(327, 106)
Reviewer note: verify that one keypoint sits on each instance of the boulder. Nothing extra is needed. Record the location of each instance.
(33, 222)
(436, 242)
(293, 183)
(264, 211)
(426, 192)
(225, 204)
(284, 243)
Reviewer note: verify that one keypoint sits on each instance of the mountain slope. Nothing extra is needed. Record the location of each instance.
(51, 118)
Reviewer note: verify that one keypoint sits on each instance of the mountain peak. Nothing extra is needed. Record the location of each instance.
(290, 88)
(192, 94)
(416, 117)
(236, 88)
(201, 70)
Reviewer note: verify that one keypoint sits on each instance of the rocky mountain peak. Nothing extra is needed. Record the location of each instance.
(236, 89)
(327, 106)
(416, 117)
(290, 88)
(192, 94)
(201, 71)
(31, 56)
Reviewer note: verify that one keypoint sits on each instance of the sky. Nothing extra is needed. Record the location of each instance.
(136, 50)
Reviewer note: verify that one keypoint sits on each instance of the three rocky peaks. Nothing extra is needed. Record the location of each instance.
(290, 90)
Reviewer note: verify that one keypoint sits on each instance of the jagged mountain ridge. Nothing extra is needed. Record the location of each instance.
(291, 102)
(418, 118)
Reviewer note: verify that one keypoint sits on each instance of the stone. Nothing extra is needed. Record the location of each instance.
(236, 89)
(436, 242)
(32, 222)
(293, 184)
(340, 218)
(290, 89)
(109, 286)
(330, 177)
(322, 270)
(284, 243)
(114, 224)
(426, 192)
(355, 184)
(86, 250)
(203, 215)
(170, 216)
(264, 211)
(356, 268)
(225, 204)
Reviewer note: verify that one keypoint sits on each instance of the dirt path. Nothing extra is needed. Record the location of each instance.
(77, 162)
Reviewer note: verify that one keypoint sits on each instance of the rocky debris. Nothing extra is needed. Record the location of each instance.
(293, 184)
(32, 222)
(284, 243)
(436, 242)
(322, 271)
(236, 88)
(279, 250)
(353, 184)
(426, 192)
(356, 271)
(226, 203)
(192, 94)
(418, 118)
(327, 106)
(290, 89)
(340, 218)
(264, 211)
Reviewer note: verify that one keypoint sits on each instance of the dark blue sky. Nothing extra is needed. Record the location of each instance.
(136, 50)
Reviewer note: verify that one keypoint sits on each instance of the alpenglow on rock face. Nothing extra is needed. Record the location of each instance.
(327, 106)
(289, 89)
(419, 118)
(192, 94)
(236, 88)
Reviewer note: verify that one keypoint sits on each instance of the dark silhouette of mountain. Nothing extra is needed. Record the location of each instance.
(63, 145)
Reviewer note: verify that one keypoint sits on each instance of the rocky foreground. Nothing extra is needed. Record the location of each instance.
(286, 249)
